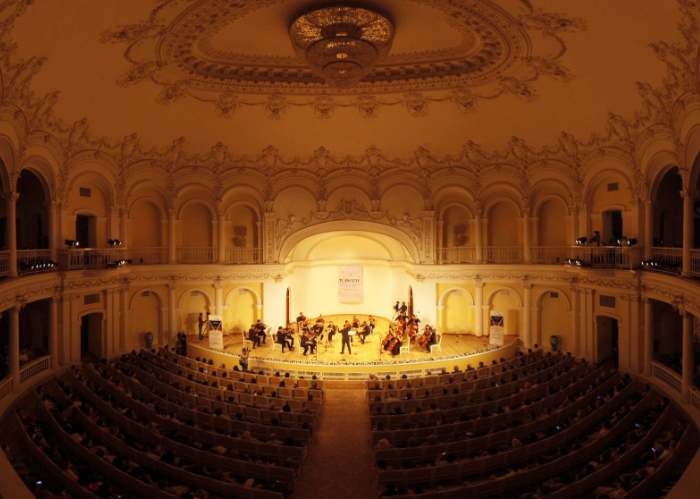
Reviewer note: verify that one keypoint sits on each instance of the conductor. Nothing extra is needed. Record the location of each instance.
(346, 338)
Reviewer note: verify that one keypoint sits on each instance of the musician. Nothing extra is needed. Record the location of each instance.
(372, 323)
(433, 338)
(403, 308)
(282, 339)
(308, 342)
(332, 329)
(387, 339)
(253, 336)
(366, 331)
(289, 335)
(260, 326)
(318, 330)
(396, 310)
(346, 338)
(320, 319)
(412, 326)
(301, 318)
(355, 322)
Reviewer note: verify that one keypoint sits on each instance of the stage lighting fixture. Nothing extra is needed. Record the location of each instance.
(581, 241)
(72, 243)
(114, 243)
(632, 241)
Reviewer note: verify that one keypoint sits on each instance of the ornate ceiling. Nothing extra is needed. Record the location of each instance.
(188, 75)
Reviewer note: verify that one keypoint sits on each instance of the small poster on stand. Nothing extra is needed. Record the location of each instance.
(497, 323)
(216, 332)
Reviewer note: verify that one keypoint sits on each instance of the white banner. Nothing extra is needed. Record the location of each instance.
(496, 325)
(216, 332)
(350, 288)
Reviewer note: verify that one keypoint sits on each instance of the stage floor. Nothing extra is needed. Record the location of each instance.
(452, 346)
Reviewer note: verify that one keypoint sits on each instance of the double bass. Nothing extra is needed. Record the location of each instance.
(425, 337)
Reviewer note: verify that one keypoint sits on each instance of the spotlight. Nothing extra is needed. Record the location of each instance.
(581, 241)
(72, 243)
(632, 241)
(114, 243)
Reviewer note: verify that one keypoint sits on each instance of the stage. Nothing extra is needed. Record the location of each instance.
(455, 350)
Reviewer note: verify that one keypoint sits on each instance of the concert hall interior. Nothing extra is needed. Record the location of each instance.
(349, 248)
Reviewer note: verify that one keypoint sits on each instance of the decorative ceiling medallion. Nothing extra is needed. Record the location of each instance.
(498, 54)
(342, 44)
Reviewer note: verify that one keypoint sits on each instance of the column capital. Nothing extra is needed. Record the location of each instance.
(12, 196)
(478, 212)
(526, 211)
(526, 283)
(172, 284)
(687, 193)
(172, 213)
(588, 291)
(218, 283)
(645, 299)
(683, 312)
(478, 282)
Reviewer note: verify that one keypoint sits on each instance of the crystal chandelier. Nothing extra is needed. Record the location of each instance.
(342, 44)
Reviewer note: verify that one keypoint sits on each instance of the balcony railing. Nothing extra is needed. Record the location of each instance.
(608, 257)
(148, 256)
(503, 254)
(197, 255)
(670, 256)
(666, 375)
(5, 387)
(239, 256)
(551, 255)
(78, 259)
(457, 255)
(35, 367)
(4, 263)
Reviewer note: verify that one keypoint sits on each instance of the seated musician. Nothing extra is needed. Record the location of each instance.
(387, 339)
(433, 338)
(317, 330)
(332, 329)
(372, 323)
(282, 340)
(364, 332)
(320, 319)
(355, 322)
(260, 326)
(301, 318)
(253, 336)
(289, 335)
(308, 342)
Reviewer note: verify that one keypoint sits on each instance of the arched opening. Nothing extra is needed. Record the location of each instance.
(91, 341)
(668, 211)
(553, 311)
(668, 333)
(551, 221)
(192, 303)
(86, 231)
(612, 226)
(32, 212)
(33, 338)
(607, 331)
(456, 314)
(146, 308)
(455, 230)
(508, 303)
(242, 236)
(146, 226)
(242, 310)
(503, 226)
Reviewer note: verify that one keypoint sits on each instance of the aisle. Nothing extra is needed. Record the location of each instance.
(339, 463)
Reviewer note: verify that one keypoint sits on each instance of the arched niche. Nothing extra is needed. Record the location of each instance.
(243, 308)
(455, 311)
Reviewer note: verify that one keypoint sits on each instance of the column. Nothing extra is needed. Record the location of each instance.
(648, 229)
(574, 224)
(688, 222)
(11, 217)
(14, 346)
(527, 236)
(440, 241)
(648, 335)
(687, 356)
(219, 297)
(172, 250)
(587, 344)
(53, 232)
(222, 237)
(53, 331)
(109, 323)
(479, 306)
(576, 319)
(259, 243)
(478, 239)
(123, 221)
(527, 315)
(124, 325)
(171, 310)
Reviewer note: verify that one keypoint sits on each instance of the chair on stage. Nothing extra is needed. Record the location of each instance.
(246, 340)
(273, 339)
(405, 347)
(437, 345)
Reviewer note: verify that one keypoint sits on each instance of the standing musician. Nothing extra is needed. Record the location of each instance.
(346, 338)
(332, 329)
(403, 308)
(364, 332)
(372, 323)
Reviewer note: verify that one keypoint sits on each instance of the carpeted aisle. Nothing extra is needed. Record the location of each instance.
(340, 462)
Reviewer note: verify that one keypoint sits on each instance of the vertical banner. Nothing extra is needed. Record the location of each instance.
(216, 332)
(496, 328)
(350, 284)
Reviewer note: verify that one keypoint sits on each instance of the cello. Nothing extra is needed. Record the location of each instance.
(425, 338)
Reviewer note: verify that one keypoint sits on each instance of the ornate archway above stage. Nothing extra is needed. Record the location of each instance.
(289, 239)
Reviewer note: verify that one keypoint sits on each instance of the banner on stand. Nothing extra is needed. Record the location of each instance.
(216, 332)
(496, 325)
(350, 284)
